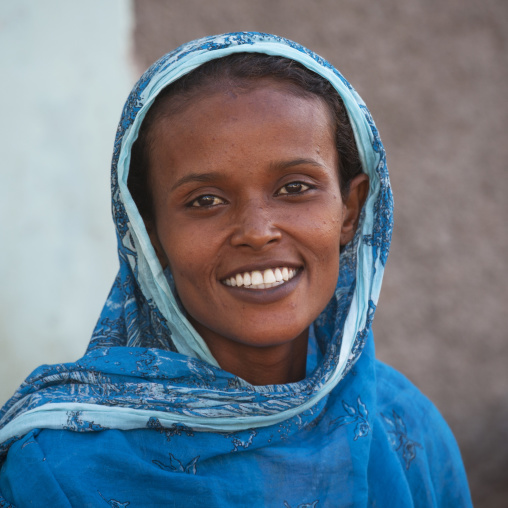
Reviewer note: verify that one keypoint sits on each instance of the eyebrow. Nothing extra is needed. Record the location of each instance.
(198, 177)
(283, 165)
(215, 175)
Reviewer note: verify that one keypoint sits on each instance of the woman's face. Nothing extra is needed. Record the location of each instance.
(246, 193)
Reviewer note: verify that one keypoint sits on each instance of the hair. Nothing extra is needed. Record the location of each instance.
(240, 71)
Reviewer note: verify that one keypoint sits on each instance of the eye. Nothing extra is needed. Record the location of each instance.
(206, 201)
(294, 188)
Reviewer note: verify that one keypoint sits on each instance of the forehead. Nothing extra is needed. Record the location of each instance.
(176, 100)
(236, 95)
(224, 117)
(243, 140)
(226, 101)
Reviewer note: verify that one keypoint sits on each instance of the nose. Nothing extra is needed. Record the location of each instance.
(254, 227)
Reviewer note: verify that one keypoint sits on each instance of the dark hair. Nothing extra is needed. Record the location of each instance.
(241, 71)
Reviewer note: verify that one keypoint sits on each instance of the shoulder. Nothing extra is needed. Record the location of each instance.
(420, 436)
(394, 387)
(401, 402)
(66, 468)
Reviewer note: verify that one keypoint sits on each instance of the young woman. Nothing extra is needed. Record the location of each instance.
(233, 363)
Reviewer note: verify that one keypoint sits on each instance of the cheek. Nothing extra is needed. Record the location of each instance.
(324, 240)
(323, 226)
(186, 266)
(191, 254)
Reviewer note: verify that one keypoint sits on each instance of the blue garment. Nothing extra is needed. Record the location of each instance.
(148, 418)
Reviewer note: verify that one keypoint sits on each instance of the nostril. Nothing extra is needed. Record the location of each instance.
(253, 225)
(255, 236)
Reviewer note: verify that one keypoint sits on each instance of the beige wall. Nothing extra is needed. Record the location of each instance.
(434, 75)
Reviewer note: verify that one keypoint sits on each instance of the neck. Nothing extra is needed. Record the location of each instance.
(266, 365)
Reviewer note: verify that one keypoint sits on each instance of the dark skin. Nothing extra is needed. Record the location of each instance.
(246, 182)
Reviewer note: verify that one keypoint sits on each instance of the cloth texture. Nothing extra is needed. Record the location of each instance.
(148, 418)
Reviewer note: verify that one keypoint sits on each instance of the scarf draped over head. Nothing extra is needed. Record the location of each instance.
(142, 311)
(146, 367)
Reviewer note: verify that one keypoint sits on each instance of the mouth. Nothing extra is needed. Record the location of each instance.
(261, 279)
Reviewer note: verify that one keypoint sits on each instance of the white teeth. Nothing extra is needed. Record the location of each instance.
(256, 278)
(261, 280)
(268, 276)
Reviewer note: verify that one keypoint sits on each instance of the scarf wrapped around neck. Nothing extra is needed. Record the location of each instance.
(352, 432)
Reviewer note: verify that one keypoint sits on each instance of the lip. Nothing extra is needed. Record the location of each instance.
(267, 295)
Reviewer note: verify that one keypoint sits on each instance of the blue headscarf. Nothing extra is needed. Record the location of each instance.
(353, 431)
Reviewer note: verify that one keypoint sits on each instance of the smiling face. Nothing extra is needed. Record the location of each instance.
(249, 217)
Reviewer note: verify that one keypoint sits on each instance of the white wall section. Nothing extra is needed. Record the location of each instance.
(66, 72)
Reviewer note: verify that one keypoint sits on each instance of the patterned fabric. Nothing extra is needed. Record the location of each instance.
(353, 433)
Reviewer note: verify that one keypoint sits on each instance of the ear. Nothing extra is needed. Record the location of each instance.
(353, 204)
(154, 238)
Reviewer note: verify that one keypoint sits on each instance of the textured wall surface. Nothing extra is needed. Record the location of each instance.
(65, 75)
(434, 75)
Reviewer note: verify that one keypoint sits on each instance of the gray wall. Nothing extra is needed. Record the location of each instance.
(434, 75)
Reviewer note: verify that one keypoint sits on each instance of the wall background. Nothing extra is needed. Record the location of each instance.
(434, 75)
(65, 74)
